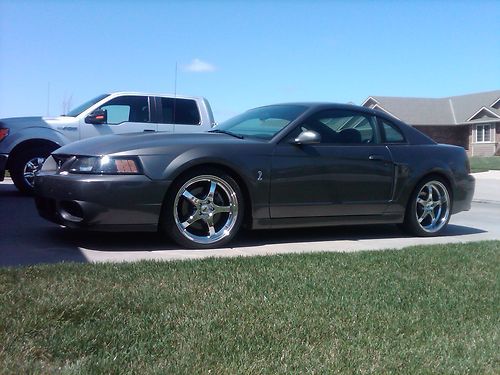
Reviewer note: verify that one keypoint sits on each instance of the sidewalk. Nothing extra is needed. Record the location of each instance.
(487, 187)
(7, 180)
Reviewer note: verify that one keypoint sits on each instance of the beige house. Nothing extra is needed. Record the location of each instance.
(471, 121)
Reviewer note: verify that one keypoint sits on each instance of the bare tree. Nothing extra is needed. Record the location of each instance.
(67, 103)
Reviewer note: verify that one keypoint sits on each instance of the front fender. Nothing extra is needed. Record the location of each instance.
(193, 158)
(32, 133)
(253, 172)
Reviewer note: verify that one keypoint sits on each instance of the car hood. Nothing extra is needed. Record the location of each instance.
(15, 123)
(147, 143)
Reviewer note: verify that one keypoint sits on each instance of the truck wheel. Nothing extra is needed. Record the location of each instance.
(204, 209)
(25, 164)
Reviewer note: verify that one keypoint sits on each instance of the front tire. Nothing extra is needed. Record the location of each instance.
(429, 208)
(204, 209)
(25, 164)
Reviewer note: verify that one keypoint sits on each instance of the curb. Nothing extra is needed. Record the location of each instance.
(485, 201)
(487, 175)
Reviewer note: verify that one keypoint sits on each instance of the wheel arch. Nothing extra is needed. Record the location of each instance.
(27, 144)
(428, 176)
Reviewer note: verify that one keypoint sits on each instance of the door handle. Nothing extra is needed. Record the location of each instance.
(149, 130)
(376, 157)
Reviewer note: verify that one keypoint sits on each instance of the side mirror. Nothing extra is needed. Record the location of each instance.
(99, 116)
(307, 137)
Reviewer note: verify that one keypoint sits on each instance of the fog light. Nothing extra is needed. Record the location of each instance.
(71, 211)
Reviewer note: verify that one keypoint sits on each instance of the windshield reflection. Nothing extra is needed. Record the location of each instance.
(81, 108)
(263, 122)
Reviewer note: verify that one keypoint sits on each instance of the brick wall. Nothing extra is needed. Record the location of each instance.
(483, 149)
(453, 135)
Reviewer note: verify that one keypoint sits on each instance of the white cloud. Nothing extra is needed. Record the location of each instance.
(199, 66)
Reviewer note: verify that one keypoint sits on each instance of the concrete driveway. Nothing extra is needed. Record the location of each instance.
(26, 239)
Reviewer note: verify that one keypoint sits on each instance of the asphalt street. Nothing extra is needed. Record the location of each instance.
(27, 239)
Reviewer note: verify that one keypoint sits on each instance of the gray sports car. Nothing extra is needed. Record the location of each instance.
(287, 165)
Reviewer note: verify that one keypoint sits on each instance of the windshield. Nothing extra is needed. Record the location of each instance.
(76, 111)
(263, 122)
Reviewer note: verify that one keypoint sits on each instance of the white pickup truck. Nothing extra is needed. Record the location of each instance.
(25, 142)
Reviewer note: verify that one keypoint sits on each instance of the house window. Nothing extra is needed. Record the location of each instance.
(483, 133)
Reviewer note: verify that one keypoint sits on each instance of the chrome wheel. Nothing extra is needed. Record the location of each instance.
(30, 168)
(206, 209)
(432, 206)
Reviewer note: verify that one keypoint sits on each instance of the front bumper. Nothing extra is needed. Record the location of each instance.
(3, 165)
(100, 202)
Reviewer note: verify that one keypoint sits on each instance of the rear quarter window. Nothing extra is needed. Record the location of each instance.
(390, 132)
(179, 111)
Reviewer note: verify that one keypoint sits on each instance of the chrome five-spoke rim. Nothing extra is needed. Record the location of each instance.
(30, 168)
(433, 206)
(206, 209)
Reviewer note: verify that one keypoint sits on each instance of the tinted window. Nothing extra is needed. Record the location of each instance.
(341, 127)
(391, 134)
(263, 122)
(127, 108)
(179, 111)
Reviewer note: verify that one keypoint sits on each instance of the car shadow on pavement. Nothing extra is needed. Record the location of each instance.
(338, 233)
(113, 241)
(27, 239)
(151, 241)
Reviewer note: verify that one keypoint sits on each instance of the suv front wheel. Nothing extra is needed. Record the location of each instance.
(25, 164)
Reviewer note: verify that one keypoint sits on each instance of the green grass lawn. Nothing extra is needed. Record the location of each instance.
(420, 310)
(483, 164)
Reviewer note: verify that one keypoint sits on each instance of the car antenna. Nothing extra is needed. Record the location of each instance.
(48, 98)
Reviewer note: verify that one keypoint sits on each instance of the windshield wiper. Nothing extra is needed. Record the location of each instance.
(226, 132)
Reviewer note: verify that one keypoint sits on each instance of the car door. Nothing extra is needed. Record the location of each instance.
(125, 114)
(178, 115)
(348, 173)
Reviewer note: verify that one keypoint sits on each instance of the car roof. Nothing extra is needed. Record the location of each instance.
(412, 134)
(320, 105)
(135, 93)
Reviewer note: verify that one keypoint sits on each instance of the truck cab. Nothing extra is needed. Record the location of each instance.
(25, 142)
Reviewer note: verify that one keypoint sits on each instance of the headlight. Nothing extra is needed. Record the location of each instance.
(102, 165)
(84, 165)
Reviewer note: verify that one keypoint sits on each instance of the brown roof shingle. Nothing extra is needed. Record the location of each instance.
(454, 110)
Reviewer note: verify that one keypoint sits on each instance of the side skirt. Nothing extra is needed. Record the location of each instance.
(307, 222)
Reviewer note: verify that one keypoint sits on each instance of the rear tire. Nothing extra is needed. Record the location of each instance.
(203, 209)
(429, 208)
(25, 164)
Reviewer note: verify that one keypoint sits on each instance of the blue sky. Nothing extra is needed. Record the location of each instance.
(244, 54)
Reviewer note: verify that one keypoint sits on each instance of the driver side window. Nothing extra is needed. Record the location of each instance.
(127, 109)
(341, 127)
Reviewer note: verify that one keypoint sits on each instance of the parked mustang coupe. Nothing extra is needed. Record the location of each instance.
(288, 165)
